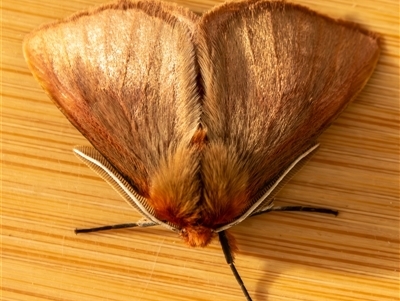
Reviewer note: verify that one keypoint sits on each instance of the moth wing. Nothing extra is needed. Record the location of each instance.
(275, 76)
(125, 76)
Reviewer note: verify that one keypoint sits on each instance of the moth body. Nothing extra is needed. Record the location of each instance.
(198, 121)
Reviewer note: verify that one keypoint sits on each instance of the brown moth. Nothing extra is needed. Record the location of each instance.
(198, 121)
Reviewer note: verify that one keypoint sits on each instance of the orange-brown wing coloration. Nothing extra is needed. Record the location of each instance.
(194, 117)
(275, 76)
(125, 75)
(198, 115)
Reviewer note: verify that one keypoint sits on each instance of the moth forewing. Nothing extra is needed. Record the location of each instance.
(92, 158)
(265, 201)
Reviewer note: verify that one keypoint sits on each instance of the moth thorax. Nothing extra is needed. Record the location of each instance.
(197, 236)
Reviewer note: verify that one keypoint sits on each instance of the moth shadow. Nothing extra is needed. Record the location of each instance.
(250, 239)
(279, 251)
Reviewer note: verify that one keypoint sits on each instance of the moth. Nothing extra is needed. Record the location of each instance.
(198, 121)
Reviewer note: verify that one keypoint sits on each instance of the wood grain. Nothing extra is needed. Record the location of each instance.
(47, 192)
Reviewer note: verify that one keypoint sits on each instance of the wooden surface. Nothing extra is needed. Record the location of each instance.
(47, 192)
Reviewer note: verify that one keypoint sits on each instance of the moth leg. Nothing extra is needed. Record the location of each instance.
(140, 223)
(298, 208)
(226, 248)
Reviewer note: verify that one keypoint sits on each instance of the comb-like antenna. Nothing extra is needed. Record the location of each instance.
(226, 248)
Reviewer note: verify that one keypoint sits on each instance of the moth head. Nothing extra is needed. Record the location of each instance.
(197, 236)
